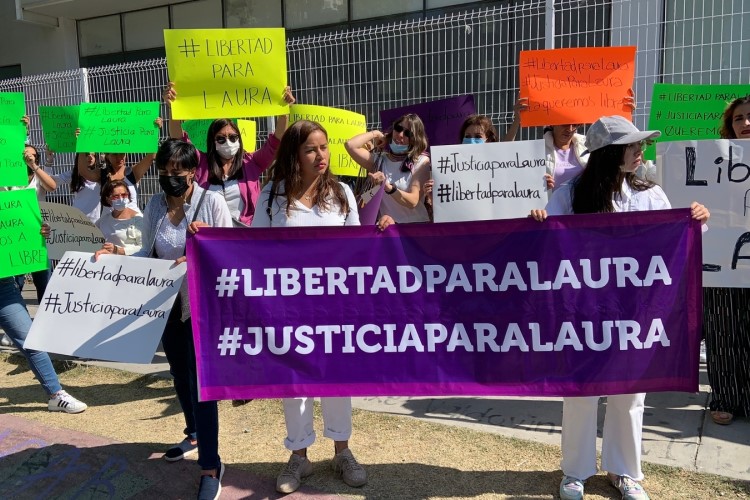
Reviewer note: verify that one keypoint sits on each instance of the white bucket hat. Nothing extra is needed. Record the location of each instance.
(615, 130)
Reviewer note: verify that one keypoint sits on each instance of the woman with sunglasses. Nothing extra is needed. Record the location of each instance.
(399, 161)
(123, 226)
(608, 184)
(226, 167)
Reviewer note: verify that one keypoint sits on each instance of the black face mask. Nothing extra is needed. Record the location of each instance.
(173, 185)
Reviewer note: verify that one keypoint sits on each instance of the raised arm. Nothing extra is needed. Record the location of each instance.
(283, 120)
(356, 148)
(414, 192)
(175, 126)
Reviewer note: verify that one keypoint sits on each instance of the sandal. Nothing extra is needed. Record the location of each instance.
(722, 417)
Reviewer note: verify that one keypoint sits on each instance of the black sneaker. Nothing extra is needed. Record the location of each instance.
(210, 487)
(183, 449)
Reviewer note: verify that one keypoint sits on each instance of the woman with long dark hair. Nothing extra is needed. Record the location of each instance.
(608, 184)
(304, 192)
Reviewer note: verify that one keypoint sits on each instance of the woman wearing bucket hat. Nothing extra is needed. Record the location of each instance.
(607, 184)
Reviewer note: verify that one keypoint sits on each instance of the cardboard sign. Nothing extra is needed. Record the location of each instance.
(575, 85)
(689, 112)
(341, 126)
(118, 127)
(70, 230)
(496, 180)
(227, 73)
(59, 124)
(717, 174)
(114, 309)
(22, 248)
(12, 139)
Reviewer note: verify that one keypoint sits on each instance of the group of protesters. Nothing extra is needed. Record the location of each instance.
(595, 173)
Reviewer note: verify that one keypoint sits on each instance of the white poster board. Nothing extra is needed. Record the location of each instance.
(497, 180)
(114, 309)
(715, 173)
(71, 230)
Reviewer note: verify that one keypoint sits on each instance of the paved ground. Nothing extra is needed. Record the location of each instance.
(678, 431)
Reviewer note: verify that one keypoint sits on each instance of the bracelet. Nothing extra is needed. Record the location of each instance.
(393, 189)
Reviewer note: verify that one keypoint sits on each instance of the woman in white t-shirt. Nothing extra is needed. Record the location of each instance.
(399, 162)
(304, 192)
(83, 180)
(122, 226)
(608, 184)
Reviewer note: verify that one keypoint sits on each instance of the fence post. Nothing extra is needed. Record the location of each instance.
(84, 85)
(549, 25)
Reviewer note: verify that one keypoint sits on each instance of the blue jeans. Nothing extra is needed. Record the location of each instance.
(40, 278)
(201, 418)
(15, 320)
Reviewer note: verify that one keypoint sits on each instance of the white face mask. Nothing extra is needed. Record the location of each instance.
(228, 149)
(119, 203)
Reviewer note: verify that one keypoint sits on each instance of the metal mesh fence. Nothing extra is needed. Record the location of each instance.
(473, 52)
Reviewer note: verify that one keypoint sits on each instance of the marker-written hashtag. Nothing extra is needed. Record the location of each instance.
(64, 266)
(444, 193)
(229, 341)
(658, 115)
(227, 283)
(52, 302)
(443, 164)
(188, 50)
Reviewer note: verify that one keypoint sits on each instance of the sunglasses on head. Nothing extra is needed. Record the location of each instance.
(221, 139)
(400, 129)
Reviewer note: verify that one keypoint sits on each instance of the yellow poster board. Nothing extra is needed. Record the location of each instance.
(227, 73)
(341, 126)
(249, 134)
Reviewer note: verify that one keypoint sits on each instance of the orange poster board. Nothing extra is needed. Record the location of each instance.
(576, 85)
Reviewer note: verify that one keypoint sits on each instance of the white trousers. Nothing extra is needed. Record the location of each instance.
(298, 414)
(621, 437)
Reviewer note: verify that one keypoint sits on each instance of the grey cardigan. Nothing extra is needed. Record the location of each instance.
(213, 211)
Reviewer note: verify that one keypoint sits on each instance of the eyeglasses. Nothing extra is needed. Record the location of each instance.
(221, 139)
(400, 129)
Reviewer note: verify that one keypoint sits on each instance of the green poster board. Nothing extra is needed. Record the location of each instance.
(59, 124)
(12, 139)
(687, 112)
(22, 247)
(118, 127)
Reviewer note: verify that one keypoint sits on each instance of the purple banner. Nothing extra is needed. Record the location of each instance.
(442, 119)
(576, 305)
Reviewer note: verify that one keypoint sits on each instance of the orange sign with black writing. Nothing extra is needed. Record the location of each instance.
(576, 85)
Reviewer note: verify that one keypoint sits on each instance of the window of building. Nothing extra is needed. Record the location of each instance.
(144, 29)
(253, 13)
(11, 71)
(100, 35)
(307, 13)
(364, 9)
(201, 14)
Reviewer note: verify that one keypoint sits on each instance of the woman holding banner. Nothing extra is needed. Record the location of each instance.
(400, 162)
(181, 207)
(226, 167)
(16, 322)
(726, 321)
(608, 184)
(304, 192)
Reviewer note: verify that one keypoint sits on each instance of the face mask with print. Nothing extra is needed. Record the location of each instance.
(228, 149)
(119, 203)
(473, 140)
(173, 185)
(399, 149)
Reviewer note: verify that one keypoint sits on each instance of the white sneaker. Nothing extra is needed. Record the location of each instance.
(5, 341)
(62, 401)
(703, 351)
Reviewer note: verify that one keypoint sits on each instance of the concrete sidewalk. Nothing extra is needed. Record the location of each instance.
(678, 430)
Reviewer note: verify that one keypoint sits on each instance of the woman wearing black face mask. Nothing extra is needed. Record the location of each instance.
(226, 167)
(184, 206)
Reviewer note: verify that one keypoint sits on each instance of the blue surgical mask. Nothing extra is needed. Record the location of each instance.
(399, 149)
(473, 140)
